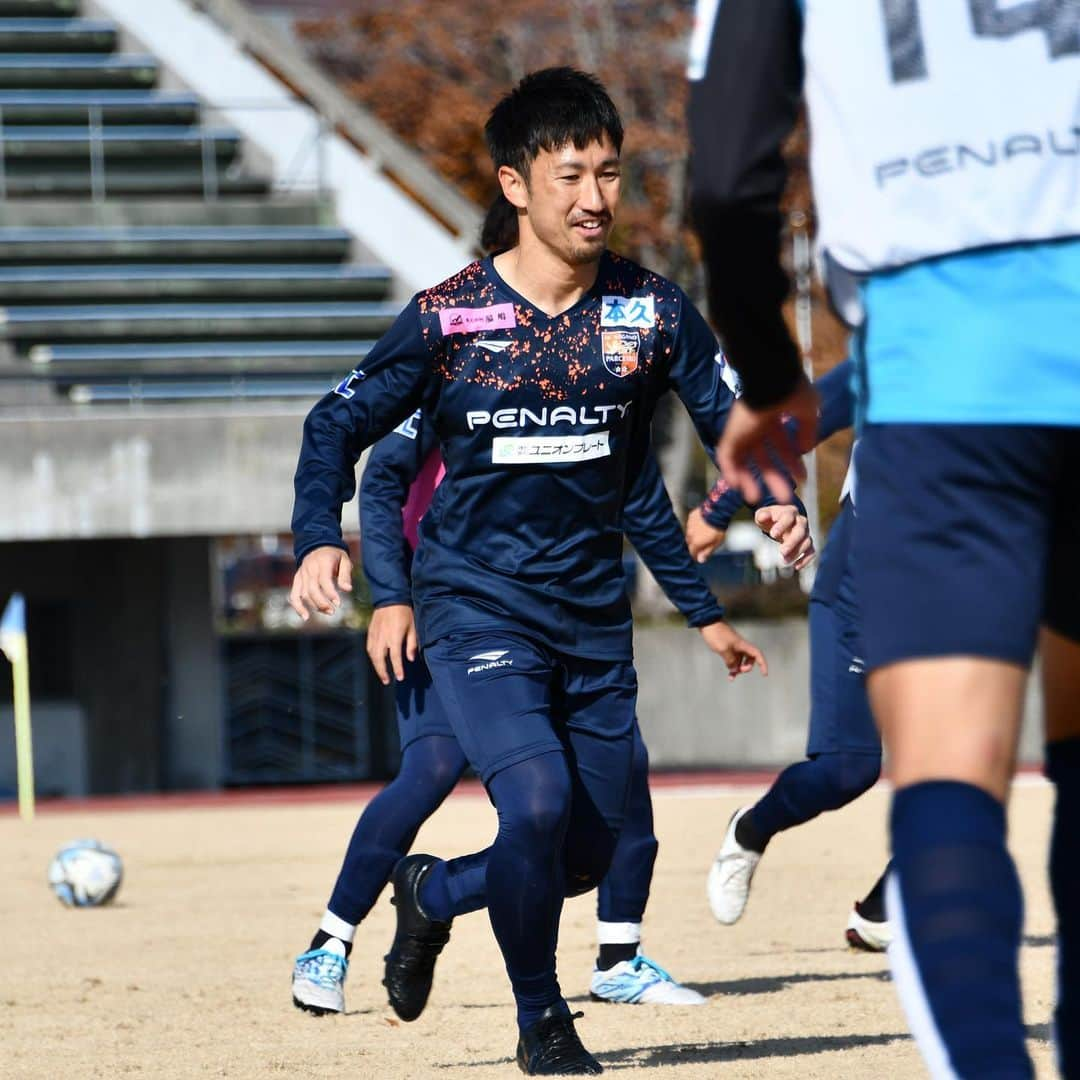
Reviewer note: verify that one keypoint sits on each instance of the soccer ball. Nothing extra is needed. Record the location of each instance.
(85, 873)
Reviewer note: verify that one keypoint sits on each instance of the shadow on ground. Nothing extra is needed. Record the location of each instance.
(715, 1053)
(771, 984)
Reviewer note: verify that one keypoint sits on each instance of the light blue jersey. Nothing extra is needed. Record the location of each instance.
(981, 337)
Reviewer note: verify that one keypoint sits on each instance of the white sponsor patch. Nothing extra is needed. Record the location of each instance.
(547, 449)
(628, 311)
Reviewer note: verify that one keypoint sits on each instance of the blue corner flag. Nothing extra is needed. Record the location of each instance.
(13, 646)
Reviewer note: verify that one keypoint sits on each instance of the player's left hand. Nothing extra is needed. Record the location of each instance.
(790, 530)
(739, 655)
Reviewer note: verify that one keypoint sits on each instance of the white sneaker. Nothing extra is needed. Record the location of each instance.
(866, 934)
(640, 982)
(318, 980)
(729, 877)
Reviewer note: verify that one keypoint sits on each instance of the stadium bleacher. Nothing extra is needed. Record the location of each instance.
(221, 293)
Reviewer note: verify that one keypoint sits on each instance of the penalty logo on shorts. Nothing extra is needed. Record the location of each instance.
(489, 660)
(620, 351)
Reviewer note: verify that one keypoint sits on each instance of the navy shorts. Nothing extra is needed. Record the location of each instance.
(967, 539)
(510, 698)
(419, 711)
(840, 716)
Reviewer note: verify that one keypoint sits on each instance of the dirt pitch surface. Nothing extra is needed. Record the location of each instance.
(187, 974)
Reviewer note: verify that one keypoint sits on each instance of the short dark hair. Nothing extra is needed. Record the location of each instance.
(499, 231)
(547, 110)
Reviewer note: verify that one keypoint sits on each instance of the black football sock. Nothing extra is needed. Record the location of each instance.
(610, 955)
(873, 907)
(322, 937)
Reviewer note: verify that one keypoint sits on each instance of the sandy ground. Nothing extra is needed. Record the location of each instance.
(187, 975)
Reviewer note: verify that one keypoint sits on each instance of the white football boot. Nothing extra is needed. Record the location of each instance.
(640, 981)
(730, 875)
(866, 934)
(318, 980)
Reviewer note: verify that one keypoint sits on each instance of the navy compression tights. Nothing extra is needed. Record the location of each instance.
(430, 767)
(827, 781)
(552, 842)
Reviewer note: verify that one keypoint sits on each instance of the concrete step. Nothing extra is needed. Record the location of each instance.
(70, 71)
(83, 363)
(118, 182)
(266, 212)
(34, 9)
(39, 147)
(185, 283)
(190, 243)
(169, 390)
(52, 35)
(102, 323)
(46, 107)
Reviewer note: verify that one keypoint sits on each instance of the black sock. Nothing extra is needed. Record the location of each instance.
(873, 907)
(748, 836)
(610, 955)
(322, 937)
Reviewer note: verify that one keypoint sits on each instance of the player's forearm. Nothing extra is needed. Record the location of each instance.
(388, 578)
(325, 480)
(659, 541)
(746, 295)
(744, 95)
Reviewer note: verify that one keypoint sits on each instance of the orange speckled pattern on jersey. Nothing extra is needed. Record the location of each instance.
(561, 356)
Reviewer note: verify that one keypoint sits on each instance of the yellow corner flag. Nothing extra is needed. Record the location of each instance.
(13, 646)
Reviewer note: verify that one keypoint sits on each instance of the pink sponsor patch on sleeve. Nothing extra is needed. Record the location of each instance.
(460, 320)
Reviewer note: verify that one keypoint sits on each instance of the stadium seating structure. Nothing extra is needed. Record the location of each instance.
(173, 271)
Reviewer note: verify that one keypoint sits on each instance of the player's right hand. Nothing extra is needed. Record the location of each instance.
(761, 439)
(392, 633)
(736, 652)
(702, 539)
(315, 585)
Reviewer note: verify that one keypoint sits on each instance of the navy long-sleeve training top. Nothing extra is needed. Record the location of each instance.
(543, 423)
(401, 460)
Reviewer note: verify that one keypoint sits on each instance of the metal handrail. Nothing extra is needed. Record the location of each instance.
(210, 173)
(387, 152)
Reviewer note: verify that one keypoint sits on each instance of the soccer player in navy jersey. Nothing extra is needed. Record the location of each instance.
(843, 753)
(399, 480)
(944, 160)
(539, 370)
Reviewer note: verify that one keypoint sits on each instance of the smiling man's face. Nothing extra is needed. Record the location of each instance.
(570, 199)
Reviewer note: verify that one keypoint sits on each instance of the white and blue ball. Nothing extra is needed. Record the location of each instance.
(86, 873)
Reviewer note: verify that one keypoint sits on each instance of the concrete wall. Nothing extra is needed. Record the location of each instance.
(69, 472)
(692, 717)
(61, 765)
(145, 707)
(192, 737)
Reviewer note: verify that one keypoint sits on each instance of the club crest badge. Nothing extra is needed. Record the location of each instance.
(620, 351)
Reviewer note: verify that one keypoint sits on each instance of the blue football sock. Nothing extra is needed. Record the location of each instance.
(808, 788)
(954, 899)
(1063, 768)
(430, 767)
